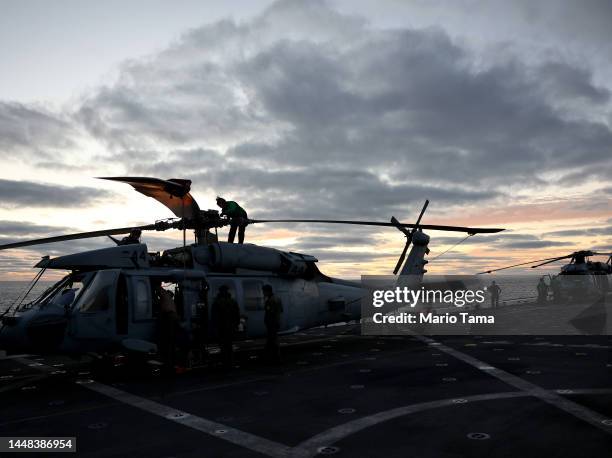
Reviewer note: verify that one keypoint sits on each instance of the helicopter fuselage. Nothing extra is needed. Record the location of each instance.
(100, 309)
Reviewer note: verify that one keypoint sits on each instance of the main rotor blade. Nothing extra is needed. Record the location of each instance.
(400, 261)
(552, 260)
(80, 235)
(173, 193)
(398, 225)
(432, 227)
(524, 264)
(420, 216)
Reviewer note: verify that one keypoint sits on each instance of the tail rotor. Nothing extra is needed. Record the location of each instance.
(409, 235)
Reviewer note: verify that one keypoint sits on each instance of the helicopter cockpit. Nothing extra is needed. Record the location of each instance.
(63, 293)
(101, 309)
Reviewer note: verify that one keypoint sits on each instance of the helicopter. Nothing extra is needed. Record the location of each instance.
(580, 278)
(110, 300)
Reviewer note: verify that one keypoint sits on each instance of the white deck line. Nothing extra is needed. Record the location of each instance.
(584, 413)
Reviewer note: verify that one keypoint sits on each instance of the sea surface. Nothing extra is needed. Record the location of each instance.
(11, 291)
(515, 289)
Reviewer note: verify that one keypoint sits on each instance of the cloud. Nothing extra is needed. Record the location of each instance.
(32, 131)
(306, 112)
(571, 82)
(56, 248)
(507, 235)
(326, 242)
(506, 240)
(606, 230)
(30, 194)
(330, 193)
(182, 162)
(409, 104)
(303, 85)
(18, 228)
(533, 244)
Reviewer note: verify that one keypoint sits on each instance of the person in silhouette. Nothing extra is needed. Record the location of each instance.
(226, 318)
(495, 291)
(238, 218)
(168, 325)
(555, 286)
(272, 318)
(132, 238)
(542, 291)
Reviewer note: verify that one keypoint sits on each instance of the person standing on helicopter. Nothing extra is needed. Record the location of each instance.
(132, 238)
(238, 218)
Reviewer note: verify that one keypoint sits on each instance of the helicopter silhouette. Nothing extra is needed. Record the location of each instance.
(580, 278)
(110, 300)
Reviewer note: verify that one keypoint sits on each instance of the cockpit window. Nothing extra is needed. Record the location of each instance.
(65, 292)
(99, 293)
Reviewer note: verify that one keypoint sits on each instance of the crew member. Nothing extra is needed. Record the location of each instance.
(495, 291)
(273, 308)
(168, 325)
(132, 238)
(555, 286)
(238, 218)
(225, 317)
(542, 291)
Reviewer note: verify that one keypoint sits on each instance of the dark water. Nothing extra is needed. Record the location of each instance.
(515, 288)
(11, 290)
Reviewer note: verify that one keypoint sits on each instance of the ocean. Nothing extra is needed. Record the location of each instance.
(11, 290)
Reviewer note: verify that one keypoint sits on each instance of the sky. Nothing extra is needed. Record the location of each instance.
(499, 113)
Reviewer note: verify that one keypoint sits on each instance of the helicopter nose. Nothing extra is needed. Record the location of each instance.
(2, 334)
(8, 325)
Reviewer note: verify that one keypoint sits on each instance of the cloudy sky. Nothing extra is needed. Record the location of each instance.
(498, 112)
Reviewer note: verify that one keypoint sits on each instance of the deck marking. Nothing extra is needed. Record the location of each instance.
(219, 386)
(233, 435)
(337, 433)
(584, 413)
(21, 382)
(5, 357)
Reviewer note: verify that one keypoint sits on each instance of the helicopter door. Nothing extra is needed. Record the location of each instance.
(95, 310)
(253, 307)
(121, 306)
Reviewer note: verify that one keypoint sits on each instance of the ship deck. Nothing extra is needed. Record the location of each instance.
(336, 393)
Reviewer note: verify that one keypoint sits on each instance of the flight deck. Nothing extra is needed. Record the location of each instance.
(336, 393)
